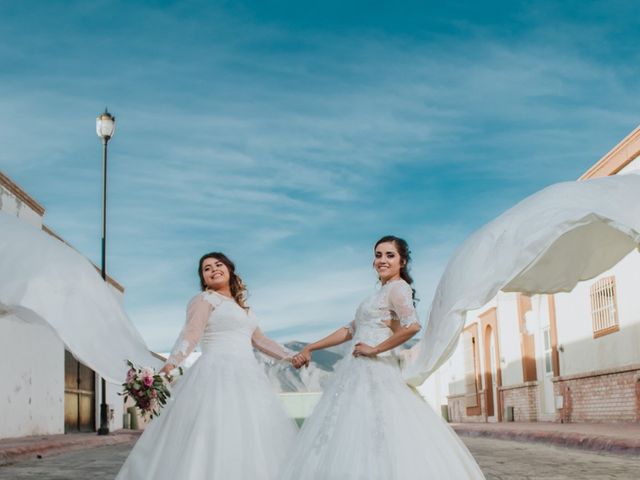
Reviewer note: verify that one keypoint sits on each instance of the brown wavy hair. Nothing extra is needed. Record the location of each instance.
(405, 254)
(236, 285)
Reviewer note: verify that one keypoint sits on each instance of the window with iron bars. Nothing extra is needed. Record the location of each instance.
(604, 307)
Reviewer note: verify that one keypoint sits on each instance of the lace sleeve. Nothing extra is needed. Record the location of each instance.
(401, 304)
(270, 347)
(198, 313)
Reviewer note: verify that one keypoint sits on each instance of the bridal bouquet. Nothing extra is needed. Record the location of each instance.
(148, 389)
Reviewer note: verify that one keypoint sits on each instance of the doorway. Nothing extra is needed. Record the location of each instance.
(491, 364)
(490, 375)
(79, 396)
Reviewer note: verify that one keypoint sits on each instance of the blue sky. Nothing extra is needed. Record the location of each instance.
(291, 135)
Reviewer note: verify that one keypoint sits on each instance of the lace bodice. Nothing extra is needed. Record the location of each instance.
(220, 325)
(393, 301)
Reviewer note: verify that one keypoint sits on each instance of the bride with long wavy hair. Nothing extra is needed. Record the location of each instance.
(369, 424)
(223, 420)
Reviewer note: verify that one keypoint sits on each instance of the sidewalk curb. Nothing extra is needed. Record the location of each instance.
(40, 446)
(597, 443)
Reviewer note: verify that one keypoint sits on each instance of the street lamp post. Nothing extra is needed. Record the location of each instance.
(105, 127)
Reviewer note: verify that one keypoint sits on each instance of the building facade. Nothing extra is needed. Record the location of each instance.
(44, 389)
(568, 357)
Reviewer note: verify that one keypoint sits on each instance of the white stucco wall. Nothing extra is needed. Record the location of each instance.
(32, 390)
(509, 338)
(452, 372)
(13, 206)
(582, 353)
(114, 401)
(434, 391)
(32, 387)
(634, 166)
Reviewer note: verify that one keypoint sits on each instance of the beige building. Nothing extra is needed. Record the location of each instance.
(44, 389)
(569, 357)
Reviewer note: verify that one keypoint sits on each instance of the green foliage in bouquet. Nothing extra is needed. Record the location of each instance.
(149, 390)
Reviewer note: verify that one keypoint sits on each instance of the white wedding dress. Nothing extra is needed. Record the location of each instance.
(223, 420)
(369, 425)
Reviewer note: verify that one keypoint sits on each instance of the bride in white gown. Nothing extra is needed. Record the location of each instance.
(369, 424)
(223, 421)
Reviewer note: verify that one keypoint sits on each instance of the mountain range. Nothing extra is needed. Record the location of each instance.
(312, 378)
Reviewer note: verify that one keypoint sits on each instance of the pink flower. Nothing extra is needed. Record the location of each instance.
(146, 376)
(148, 395)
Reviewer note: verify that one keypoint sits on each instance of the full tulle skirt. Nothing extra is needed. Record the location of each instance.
(369, 425)
(223, 422)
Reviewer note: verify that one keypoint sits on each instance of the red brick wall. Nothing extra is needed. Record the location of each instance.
(524, 400)
(458, 410)
(605, 396)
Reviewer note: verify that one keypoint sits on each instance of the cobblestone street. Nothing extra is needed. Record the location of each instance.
(96, 463)
(499, 459)
(509, 460)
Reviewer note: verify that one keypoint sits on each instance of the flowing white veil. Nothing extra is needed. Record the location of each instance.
(47, 282)
(547, 243)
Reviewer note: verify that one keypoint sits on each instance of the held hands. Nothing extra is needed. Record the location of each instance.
(301, 359)
(363, 350)
(166, 369)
